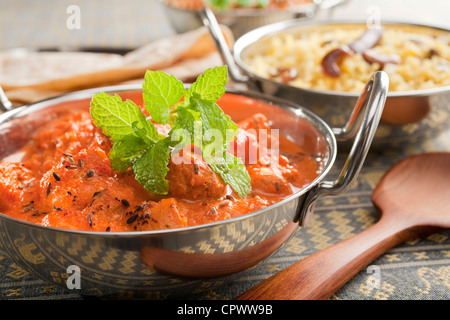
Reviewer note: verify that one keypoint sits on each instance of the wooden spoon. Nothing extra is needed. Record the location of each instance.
(413, 197)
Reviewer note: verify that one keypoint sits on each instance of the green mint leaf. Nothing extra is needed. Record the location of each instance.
(114, 116)
(185, 129)
(220, 4)
(208, 127)
(233, 172)
(210, 85)
(147, 132)
(151, 168)
(244, 3)
(214, 122)
(161, 93)
(126, 151)
(263, 3)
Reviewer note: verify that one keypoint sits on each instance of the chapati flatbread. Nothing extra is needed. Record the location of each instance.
(44, 74)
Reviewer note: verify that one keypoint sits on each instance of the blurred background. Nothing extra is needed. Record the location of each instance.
(125, 25)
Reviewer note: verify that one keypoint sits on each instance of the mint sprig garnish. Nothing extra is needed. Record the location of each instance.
(196, 119)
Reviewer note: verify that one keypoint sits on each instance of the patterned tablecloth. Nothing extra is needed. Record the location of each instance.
(418, 269)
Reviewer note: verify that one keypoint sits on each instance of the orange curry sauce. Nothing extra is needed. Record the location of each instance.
(64, 179)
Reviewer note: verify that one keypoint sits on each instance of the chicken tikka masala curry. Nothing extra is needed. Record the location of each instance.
(73, 173)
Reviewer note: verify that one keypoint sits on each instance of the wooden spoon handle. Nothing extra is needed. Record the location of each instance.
(320, 275)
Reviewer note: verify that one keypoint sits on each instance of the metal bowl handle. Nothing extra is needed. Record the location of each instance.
(361, 126)
(5, 104)
(209, 20)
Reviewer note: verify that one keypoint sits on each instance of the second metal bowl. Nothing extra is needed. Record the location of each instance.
(408, 117)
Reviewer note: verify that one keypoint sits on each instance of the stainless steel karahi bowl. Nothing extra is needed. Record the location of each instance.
(170, 263)
(409, 116)
(243, 20)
